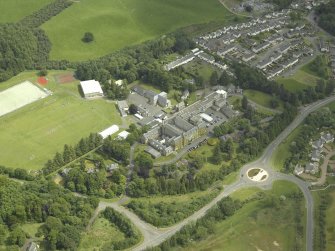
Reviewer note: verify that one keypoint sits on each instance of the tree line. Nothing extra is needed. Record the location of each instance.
(71, 153)
(42, 15)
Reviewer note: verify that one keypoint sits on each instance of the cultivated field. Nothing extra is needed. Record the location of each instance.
(33, 134)
(14, 10)
(18, 96)
(116, 24)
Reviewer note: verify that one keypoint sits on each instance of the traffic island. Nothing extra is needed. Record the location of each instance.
(257, 174)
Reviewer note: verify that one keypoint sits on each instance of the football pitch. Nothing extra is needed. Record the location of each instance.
(119, 23)
(31, 135)
(18, 96)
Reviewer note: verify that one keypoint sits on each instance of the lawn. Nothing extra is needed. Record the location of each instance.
(300, 80)
(261, 98)
(101, 233)
(116, 24)
(202, 69)
(31, 228)
(14, 10)
(34, 133)
(292, 85)
(261, 224)
(282, 152)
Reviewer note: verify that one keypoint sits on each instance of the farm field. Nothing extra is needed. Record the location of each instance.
(34, 133)
(263, 225)
(14, 10)
(116, 24)
(101, 233)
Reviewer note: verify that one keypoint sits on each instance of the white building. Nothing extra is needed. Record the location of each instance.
(109, 131)
(91, 89)
(123, 135)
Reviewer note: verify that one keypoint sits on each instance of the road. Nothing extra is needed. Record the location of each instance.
(154, 236)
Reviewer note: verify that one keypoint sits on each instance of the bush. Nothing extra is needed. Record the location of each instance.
(212, 141)
(88, 37)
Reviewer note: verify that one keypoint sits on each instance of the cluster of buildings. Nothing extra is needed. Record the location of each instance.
(154, 98)
(276, 50)
(317, 148)
(195, 53)
(190, 123)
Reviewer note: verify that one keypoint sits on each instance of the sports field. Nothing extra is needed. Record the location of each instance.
(119, 23)
(14, 10)
(18, 96)
(33, 134)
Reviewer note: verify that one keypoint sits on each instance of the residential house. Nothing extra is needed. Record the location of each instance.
(312, 168)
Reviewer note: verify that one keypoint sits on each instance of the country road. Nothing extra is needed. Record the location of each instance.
(154, 236)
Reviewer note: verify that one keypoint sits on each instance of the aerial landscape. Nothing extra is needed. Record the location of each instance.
(167, 125)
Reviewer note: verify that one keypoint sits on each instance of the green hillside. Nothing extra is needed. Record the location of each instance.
(116, 24)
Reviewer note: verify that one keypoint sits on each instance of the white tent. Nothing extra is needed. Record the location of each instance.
(109, 131)
(123, 134)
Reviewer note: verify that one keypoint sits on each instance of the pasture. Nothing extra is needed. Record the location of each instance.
(14, 10)
(264, 224)
(116, 24)
(34, 133)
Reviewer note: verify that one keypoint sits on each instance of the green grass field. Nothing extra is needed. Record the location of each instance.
(34, 133)
(100, 233)
(261, 98)
(330, 222)
(14, 10)
(116, 24)
(257, 226)
(282, 152)
(299, 81)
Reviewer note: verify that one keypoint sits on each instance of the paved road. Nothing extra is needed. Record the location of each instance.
(154, 236)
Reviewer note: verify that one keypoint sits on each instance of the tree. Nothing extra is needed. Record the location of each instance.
(245, 103)
(88, 37)
(17, 237)
(214, 78)
(144, 163)
(248, 8)
(42, 73)
(133, 109)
